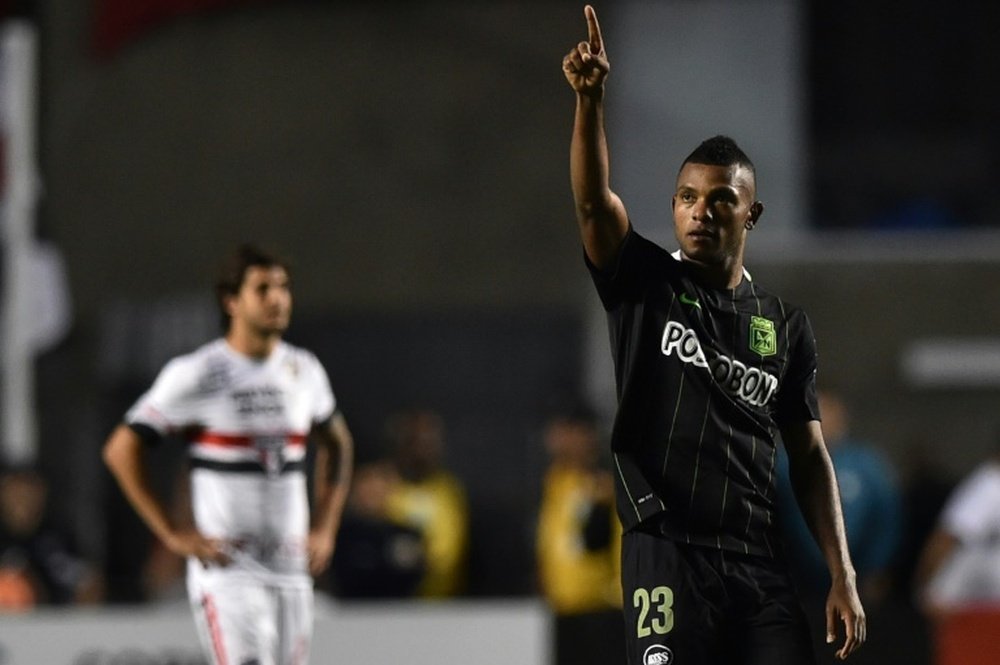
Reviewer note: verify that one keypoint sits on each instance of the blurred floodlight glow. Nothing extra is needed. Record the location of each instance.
(952, 362)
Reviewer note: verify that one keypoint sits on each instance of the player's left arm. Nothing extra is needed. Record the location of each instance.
(815, 485)
(334, 463)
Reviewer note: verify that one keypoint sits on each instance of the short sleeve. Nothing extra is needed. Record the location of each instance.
(325, 402)
(170, 403)
(625, 279)
(796, 400)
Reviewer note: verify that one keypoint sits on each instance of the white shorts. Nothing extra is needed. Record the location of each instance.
(242, 621)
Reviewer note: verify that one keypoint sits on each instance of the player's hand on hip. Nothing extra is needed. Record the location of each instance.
(191, 543)
(844, 606)
(320, 551)
(586, 66)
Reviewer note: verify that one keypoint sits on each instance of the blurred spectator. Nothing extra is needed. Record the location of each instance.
(871, 500)
(960, 562)
(39, 563)
(578, 543)
(429, 498)
(958, 572)
(375, 557)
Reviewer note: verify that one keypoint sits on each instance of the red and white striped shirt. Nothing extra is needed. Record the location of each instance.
(247, 421)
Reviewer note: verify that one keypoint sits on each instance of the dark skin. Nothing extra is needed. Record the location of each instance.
(714, 208)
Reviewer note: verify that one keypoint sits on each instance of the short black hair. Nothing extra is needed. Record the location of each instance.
(719, 150)
(234, 270)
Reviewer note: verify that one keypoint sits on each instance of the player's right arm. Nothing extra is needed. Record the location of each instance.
(814, 483)
(124, 454)
(167, 406)
(600, 213)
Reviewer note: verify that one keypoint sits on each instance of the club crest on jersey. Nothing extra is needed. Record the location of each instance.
(270, 451)
(658, 655)
(763, 338)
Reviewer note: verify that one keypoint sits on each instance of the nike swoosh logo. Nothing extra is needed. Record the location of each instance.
(688, 300)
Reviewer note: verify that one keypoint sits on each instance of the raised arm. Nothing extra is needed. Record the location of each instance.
(815, 487)
(599, 211)
(334, 463)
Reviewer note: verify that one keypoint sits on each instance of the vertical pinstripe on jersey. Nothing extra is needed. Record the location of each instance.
(677, 404)
(753, 439)
(673, 422)
(697, 458)
(774, 451)
(729, 440)
(725, 487)
(769, 517)
(628, 491)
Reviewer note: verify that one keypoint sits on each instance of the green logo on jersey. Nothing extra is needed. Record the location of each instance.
(763, 338)
(688, 300)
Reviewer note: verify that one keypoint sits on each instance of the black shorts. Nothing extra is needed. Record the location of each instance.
(692, 605)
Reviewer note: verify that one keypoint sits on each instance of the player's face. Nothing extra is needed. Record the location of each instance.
(712, 205)
(264, 301)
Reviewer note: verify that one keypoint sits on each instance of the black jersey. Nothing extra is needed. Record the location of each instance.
(705, 378)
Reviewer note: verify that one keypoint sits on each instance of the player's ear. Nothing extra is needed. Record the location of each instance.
(229, 304)
(756, 210)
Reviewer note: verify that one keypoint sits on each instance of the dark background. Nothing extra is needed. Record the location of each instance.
(411, 159)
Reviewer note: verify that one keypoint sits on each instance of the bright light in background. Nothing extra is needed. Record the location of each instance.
(952, 363)
(684, 71)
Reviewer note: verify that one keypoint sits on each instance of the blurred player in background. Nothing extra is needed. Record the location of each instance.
(248, 403)
(709, 369)
(958, 570)
(959, 565)
(425, 495)
(376, 556)
(872, 506)
(578, 542)
(40, 563)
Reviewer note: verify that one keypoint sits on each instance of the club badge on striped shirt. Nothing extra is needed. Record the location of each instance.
(763, 338)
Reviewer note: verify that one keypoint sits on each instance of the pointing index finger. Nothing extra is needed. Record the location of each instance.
(593, 30)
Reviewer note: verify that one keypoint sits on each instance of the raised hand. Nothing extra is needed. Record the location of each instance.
(586, 66)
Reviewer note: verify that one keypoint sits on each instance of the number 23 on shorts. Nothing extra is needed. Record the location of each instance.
(660, 600)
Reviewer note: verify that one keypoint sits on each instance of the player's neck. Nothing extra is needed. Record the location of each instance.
(717, 276)
(251, 344)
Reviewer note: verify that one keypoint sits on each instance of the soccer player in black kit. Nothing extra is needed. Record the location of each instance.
(711, 372)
